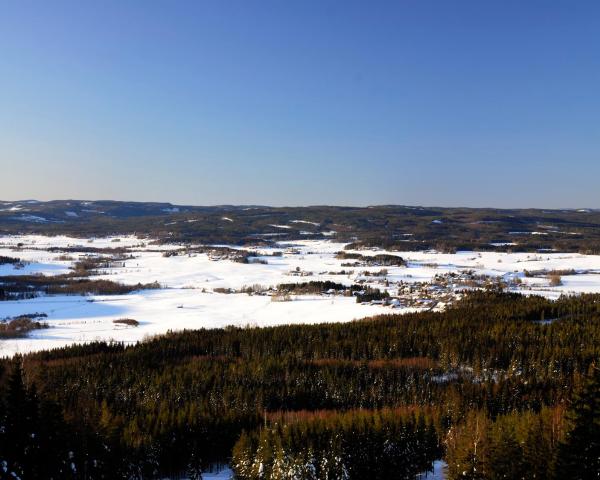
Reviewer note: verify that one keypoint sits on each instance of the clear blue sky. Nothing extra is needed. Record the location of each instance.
(475, 103)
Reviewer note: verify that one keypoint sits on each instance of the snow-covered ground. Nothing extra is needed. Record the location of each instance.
(188, 299)
(85, 319)
(225, 474)
(438, 472)
(217, 474)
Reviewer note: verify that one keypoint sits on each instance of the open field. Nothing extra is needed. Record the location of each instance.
(202, 288)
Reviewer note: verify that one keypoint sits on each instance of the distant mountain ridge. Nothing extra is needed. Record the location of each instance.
(390, 226)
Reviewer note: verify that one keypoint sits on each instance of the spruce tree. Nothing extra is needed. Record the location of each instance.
(579, 454)
(17, 432)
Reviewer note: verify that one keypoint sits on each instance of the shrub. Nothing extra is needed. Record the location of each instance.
(371, 294)
(281, 297)
(252, 289)
(126, 321)
(9, 260)
(223, 290)
(19, 327)
(258, 260)
(555, 280)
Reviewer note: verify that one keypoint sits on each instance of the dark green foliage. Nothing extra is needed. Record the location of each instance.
(362, 294)
(486, 367)
(370, 294)
(35, 442)
(579, 455)
(379, 260)
(27, 286)
(353, 445)
(518, 445)
(9, 260)
(390, 226)
(312, 287)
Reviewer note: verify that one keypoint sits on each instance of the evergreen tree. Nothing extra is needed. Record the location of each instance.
(194, 468)
(242, 457)
(505, 455)
(579, 454)
(17, 431)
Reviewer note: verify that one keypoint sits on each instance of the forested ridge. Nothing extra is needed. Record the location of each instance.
(392, 227)
(501, 386)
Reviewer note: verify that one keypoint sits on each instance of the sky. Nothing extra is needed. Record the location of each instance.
(300, 102)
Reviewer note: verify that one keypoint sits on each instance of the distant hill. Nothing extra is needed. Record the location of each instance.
(390, 226)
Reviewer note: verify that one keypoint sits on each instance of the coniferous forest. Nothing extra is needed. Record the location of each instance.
(299, 240)
(385, 226)
(500, 386)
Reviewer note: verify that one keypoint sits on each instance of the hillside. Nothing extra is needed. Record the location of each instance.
(391, 227)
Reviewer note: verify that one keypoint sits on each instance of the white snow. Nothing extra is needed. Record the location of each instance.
(316, 224)
(84, 319)
(31, 218)
(71, 214)
(439, 472)
(12, 209)
(188, 299)
(225, 474)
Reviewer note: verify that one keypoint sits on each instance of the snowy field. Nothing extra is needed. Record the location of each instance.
(188, 300)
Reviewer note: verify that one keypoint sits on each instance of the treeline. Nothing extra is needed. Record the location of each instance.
(9, 260)
(19, 326)
(378, 260)
(315, 287)
(357, 444)
(17, 287)
(392, 227)
(181, 401)
(76, 282)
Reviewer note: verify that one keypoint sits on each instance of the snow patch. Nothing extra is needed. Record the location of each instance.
(31, 218)
(316, 224)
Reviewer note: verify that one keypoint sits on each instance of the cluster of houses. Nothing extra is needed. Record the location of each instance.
(435, 295)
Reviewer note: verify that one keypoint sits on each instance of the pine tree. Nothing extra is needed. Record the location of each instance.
(194, 468)
(505, 456)
(537, 450)
(281, 465)
(17, 429)
(332, 462)
(308, 470)
(242, 457)
(579, 454)
(263, 459)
